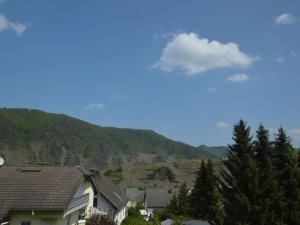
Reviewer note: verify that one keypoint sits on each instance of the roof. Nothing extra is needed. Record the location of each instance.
(159, 197)
(38, 188)
(167, 222)
(195, 222)
(110, 191)
(135, 195)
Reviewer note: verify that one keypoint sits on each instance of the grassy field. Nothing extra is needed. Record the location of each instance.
(184, 171)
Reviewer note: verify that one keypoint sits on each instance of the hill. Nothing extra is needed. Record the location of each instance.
(33, 137)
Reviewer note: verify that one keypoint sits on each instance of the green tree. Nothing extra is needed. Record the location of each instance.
(173, 205)
(288, 176)
(240, 179)
(183, 200)
(197, 199)
(205, 197)
(270, 207)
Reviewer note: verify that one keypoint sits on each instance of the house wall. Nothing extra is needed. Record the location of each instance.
(104, 206)
(131, 204)
(120, 216)
(44, 218)
(86, 187)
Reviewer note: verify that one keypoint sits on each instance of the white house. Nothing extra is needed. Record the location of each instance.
(57, 196)
(45, 195)
(111, 200)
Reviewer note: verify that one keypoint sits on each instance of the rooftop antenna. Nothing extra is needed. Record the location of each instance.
(1, 162)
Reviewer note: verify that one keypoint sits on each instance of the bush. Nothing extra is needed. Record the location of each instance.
(133, 220)
(133, 212)
(99, 220)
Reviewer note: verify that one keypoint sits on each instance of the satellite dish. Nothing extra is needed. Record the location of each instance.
(1, 162)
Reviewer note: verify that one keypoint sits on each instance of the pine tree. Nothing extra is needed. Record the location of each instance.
(270, 206)
(198, 198)
(215, 214)
(183, 200)
(288, 176)
(173, 205)
(240, 179)
(205, 197)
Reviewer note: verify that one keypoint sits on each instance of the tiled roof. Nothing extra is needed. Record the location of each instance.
(110, 191)
(37, 188)
(134, 194)
(159, 197)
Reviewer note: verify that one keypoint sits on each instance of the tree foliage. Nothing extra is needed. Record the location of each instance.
(240, 179)
(205, 198)
(288, 176)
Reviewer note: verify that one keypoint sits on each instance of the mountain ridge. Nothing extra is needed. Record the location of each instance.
(30, 136)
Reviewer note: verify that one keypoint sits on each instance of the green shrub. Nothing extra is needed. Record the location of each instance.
(133, 220)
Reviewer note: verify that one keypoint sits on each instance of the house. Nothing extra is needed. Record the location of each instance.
(45, 195)
(57, 196)
(110, 200)
(157, 198)
(134, 196)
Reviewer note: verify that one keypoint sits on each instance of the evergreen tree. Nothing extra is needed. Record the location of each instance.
(173, 205)
(240, 179)
(205, 197)
(270, 206)
(288, 176)
(183, 200)
(215, 214)
(198, 198)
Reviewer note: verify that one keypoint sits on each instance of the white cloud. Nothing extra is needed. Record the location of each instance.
(280, 59)
(221, 124)
(295, 135)
(120, 98)
(238, 78)
(293, 53)
(6, 24)
(194, 55)
(95, 107)
(212, 89)
(273, 130)
(285, 18)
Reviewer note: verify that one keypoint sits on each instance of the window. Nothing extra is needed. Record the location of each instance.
(81, 214)
(95, 203)
(25, 223)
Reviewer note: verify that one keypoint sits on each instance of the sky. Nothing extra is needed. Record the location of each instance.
(188, 69)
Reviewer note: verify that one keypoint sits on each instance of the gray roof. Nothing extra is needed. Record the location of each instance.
(195, 222)
(38, 188)
(159, 197)
(167, 222)
(110, 191)
(135, 195)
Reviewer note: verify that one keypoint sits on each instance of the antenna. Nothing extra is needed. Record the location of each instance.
(1, 162)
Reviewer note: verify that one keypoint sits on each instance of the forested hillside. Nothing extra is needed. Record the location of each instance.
(32, 137)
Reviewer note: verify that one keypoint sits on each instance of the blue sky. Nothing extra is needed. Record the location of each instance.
(186, 69)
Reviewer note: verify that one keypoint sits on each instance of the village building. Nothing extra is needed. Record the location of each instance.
(57, 196)
(111, 200)
(134, 196)
(158, 198)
